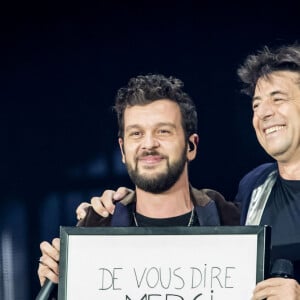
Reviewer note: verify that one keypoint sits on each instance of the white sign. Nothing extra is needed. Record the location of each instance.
(205, 263)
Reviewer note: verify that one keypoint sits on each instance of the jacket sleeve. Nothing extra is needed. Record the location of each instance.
(92, 219)
(248, 183)
(229, 211)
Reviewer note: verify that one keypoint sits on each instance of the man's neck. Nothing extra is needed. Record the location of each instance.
(171, 203)
(290, 170)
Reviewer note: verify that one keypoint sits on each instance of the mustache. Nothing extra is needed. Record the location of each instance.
(150, 152)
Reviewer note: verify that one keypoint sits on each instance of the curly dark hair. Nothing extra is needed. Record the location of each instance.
(266, 61)
(144, 89)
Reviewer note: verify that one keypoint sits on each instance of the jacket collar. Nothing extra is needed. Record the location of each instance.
(206, 209)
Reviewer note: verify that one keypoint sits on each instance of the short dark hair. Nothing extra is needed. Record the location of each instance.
(266, 61)
(144, 89)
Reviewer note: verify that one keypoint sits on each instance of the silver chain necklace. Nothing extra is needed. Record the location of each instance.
(191, 220)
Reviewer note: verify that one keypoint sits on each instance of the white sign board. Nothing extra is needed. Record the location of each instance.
(170, 263)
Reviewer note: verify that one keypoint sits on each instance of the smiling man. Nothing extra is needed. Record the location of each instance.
(158, 139)
(270, 194)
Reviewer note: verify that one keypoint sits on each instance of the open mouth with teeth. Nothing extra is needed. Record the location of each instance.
(274, 129)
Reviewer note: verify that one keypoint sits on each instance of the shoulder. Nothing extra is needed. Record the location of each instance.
(120, 216)
(249, 183)
(92, 219)
(258, 174)
(253, 179)
(204, 196)
(229, 213)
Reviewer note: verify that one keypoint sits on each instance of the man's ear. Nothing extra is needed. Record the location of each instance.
(121, 144)
(192, 146)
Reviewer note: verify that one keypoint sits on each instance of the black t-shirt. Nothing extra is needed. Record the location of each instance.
(182, 220)
(282, 213)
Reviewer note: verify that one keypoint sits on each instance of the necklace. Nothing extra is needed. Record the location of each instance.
(191, 220)
(190, 223)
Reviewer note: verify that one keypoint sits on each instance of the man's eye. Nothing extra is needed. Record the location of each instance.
(163, 131)
(278, 99)
(255, 106)
(135, 133)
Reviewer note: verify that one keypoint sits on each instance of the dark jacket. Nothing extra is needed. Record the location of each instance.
(211, 207)
(251, 182)
(254, 191)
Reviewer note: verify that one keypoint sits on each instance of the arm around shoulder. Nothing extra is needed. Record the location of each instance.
(229, 211)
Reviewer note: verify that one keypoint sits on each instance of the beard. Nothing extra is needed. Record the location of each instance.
(161, 182)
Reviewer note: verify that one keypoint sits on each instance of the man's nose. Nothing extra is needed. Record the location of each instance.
(265, 110)
(150, 141)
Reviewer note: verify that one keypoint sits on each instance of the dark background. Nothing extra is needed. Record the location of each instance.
(61, 65)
